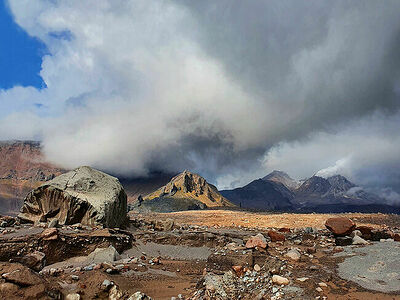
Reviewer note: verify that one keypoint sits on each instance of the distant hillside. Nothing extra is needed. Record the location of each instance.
(185, 191)
(22, 168)
(284, 178)
(277, 191)
(261, 194)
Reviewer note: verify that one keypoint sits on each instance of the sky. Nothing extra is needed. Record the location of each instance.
(229, 89)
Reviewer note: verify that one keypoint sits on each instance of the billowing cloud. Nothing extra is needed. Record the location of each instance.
(216, 87)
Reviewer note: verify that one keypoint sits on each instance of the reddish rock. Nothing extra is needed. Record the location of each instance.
(378, 234)
(22, 277)
(340, 226)
(275, 236)
(366, 231)
(311, 250)
(284, 229)
(50, 234)
(238, 270)
(256, 241)
(35, 260)
(396, 237)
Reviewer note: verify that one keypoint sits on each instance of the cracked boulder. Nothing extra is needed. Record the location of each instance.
(84, 195)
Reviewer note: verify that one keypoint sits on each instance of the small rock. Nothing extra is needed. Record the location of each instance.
(318, 289)
(257, 268)
(75, 277)
(238, 270)
(280, 280)
(293, 254)
(73, 297)
(357, 240)
(322, 284)
(256, 241)
(302, 279)
(50, 234)
(107, 284)
(356, 233)
(35, 260)
(140, 296)
(276, 236)
(115, 293)
(53, 223)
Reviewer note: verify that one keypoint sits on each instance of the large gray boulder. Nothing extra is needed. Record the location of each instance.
(84, 195)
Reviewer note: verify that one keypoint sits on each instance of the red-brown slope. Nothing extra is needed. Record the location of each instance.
(22, 168)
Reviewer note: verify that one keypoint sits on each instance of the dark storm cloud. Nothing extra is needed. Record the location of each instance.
(225, 88)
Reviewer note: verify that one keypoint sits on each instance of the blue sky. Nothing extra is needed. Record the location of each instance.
(20, 54)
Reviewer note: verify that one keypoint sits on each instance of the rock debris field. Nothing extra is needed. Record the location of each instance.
(188, 255)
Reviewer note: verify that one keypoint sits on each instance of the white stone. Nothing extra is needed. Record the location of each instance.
(73, 297)
(280, 280)
(322, 284)
(293, 254)
(357, 240)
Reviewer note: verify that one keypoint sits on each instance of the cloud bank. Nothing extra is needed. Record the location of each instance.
(228, 89)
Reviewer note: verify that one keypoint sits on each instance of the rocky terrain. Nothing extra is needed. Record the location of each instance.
(170, 256)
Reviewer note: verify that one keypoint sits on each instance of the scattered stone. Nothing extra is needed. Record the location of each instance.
(107, 284)
(293, 254)
(340, 226)
(257, 268)
(75, 277)
(366, 231)
(302, 279)
(99, 255)
(53, 223)
(115, 293)
(140, 296)
(35, 260)
(256, 241)
(280, 280)
(164, 225)
(322, 284)
(50, 234)
(276, 236)
(73, 297)
(377, 235)
(396, 237)
(238, 270)
(357, 240)
(318, 289)
(356, 233)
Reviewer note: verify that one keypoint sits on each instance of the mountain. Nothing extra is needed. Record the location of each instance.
(185, 191)
(277, 191)
(261, 194)
(139, 186)
(283, 178)
(337, 189)
(22, 168)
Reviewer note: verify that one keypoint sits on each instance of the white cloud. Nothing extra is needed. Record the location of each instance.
(133, 85)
